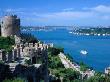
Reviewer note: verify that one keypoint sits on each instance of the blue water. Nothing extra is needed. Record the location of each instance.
(98, 47)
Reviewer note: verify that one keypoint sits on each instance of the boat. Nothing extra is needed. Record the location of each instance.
(84, 52)
(70, 32)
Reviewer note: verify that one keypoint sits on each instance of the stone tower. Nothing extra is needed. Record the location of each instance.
(10, 26)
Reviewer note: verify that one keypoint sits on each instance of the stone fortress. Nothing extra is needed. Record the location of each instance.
(36, 53)
(10, 25)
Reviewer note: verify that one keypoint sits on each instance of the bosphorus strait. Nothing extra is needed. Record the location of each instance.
(98, 47)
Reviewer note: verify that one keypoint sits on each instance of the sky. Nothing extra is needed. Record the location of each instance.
(58, 12)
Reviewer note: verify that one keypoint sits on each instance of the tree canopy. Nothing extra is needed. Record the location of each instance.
(6, 43)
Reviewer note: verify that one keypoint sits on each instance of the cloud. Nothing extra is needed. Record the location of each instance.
(106, 17)
(100, 8)
(22, 11)
(103, 11)
(71, 15)
(97, 14)
(12, 11)
(68, 9)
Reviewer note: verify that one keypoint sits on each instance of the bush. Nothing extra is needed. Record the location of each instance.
(54, 62)
(29, 38)
(14, 80)
(55, 50)
(69, 57)
(28, 62)
(71, 75)
(83, 67)
(6, 43)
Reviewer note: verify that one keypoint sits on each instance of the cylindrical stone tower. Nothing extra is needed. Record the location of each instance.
(10, 26)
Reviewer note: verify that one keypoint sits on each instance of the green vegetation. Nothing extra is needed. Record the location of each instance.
(99, 77)
(55, 65)
(54, 62)
(57, 68)
(14, 80)
(83, 67)
(6, 43)
(29, 38)
(69, 57)
(53, 58)
(69, 75)
(55, 50)
(1, 62)
(28, 62)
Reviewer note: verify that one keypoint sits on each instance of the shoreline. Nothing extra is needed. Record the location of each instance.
(68, 64)
(88, 34)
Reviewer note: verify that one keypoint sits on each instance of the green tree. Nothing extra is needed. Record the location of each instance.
(55, 50)
(71, 75)
(27, 37)
(14, 80)
(6, 43)
(83, 67)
